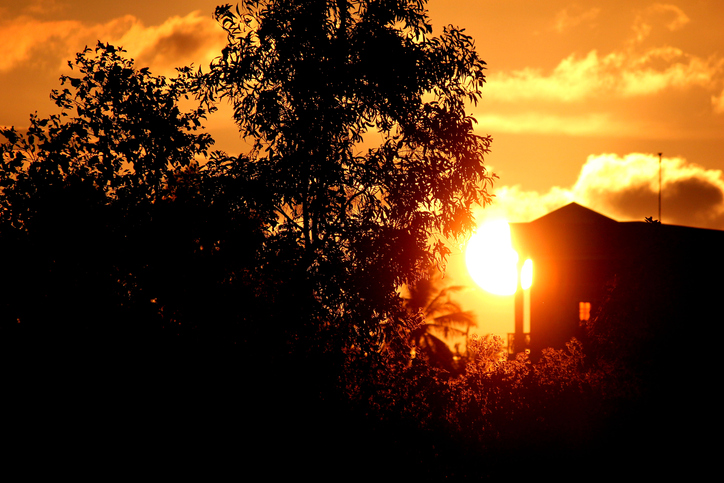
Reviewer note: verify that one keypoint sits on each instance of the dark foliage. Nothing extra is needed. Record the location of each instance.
(127, 255)
(356, 219)
(443, 320)
(258, 295)
(113, 235)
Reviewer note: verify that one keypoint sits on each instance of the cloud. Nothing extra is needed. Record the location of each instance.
(622, 75)
(515, 205)
(592, 92)
(678, 70)
(573, 16)
(43, 7)
(671, 16)
(534, 122)
(677, 19)
(22, 36)
(178, 41)
(717, 103)
(573, 79)
(626, 189)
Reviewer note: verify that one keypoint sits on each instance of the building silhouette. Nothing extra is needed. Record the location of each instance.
(579, 255)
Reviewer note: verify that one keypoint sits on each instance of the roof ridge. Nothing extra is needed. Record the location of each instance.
(574, 213)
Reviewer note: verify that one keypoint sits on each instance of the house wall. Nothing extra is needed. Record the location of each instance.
(578, 261)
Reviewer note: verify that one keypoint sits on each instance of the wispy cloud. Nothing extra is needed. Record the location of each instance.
(22, 36)
(675, 18)
(573, 16)
(536, 122)
(621, 75)
(670, 16)
(42, 7)
(176, 42)
(517, 205)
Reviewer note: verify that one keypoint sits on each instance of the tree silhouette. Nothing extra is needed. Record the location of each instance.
(121, 229)
(107, 214)
(313, 85)
(442, 316)
(364, 152)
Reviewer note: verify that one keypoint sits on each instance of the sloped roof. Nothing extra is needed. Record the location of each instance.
(570, 232)
(574, 213)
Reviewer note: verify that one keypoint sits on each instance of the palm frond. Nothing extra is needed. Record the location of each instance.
(443, 317)
(464, 318)
(442, 294)
(444, 307)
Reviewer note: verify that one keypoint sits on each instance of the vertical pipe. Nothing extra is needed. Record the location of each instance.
(660, 187)
(519, 337)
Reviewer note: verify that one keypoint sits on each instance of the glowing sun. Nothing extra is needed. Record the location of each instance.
(492, 262)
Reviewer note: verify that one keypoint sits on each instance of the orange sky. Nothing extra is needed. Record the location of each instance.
(581, 95)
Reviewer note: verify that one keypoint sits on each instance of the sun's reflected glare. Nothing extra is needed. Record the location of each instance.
(526, 274)
(491, 260)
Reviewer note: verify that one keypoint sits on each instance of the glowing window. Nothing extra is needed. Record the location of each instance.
(584, 311)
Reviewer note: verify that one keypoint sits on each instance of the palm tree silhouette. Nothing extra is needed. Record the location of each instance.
(444, 319)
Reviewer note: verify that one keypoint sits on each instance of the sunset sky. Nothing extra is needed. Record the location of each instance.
(580, 95)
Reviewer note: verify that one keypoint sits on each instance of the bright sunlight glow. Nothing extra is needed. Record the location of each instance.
(491, 260)
(526, 274)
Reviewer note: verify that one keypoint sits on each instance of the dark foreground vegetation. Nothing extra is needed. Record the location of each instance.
(167, 303)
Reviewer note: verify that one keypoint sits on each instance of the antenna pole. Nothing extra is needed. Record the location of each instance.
(660, 187)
